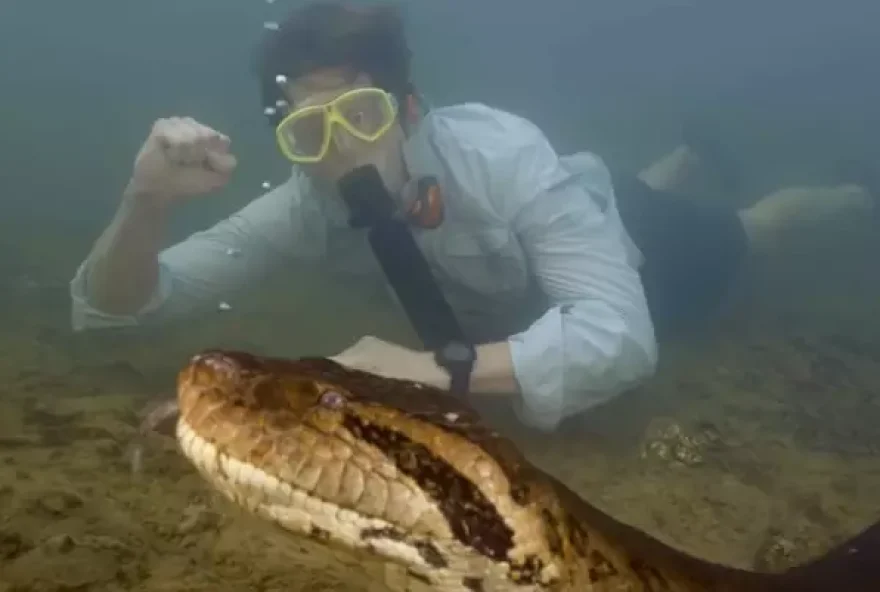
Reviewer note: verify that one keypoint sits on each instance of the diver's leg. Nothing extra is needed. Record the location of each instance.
(672, 170)
(700, 152)
(692, 251)
(798, 209)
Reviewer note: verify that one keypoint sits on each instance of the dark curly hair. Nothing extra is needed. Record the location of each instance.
(327, 33)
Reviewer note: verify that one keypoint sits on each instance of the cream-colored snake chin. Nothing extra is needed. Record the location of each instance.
(410, 476)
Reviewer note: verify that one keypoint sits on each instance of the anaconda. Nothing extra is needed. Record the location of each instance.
(409, 475)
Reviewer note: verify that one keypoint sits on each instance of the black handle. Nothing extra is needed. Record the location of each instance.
(371, 206)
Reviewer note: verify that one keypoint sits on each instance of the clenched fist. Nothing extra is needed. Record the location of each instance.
(182, 158)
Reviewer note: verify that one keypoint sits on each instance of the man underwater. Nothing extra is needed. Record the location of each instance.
(557, 269)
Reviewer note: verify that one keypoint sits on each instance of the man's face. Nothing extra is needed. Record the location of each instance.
(345, 151)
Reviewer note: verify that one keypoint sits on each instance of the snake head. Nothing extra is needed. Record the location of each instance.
(238, 387)
(317, 393)
(386, 466)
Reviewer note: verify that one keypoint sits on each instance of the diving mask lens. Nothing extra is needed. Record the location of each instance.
(365, 113)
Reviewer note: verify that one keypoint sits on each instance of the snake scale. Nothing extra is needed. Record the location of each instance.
(409, 475)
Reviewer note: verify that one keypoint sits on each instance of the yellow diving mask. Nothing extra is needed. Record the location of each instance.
(305, 134)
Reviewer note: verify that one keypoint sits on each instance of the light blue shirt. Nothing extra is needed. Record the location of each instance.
(517, 216)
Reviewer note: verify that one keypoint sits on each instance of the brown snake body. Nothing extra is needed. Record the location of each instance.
(408, 474)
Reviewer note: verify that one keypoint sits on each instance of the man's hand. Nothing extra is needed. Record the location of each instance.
(493, 373)
(182, 158)
(372, 354)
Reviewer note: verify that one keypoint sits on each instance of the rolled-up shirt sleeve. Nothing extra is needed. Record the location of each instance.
(596, 340)
(199, 271)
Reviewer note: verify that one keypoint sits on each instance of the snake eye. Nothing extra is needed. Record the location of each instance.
(332, 399)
